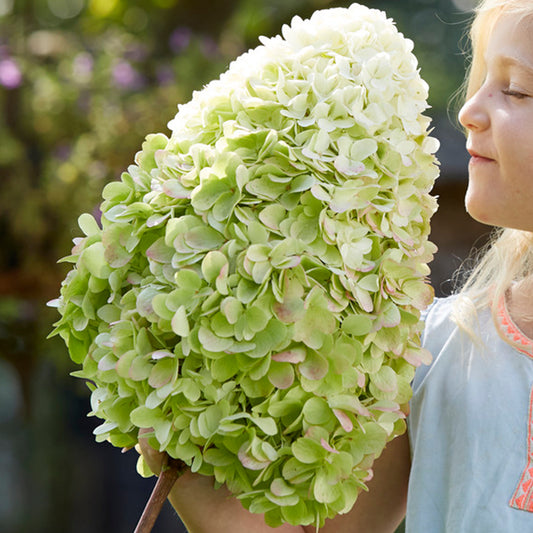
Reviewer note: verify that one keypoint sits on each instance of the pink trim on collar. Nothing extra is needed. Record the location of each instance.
(522, 497)
(510, 331)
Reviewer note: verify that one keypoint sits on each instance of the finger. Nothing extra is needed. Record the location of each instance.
(153, 457)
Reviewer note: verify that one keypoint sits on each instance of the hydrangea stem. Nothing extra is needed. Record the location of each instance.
(170, 472)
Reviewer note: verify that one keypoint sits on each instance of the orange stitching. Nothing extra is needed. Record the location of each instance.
(523, 495)
(511, 332)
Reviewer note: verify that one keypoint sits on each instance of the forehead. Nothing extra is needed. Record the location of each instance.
(511, 40)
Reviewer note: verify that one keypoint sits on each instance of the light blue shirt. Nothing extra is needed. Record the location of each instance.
(469, 427)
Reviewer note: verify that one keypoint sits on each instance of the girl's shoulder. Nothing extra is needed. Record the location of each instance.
(438, 318)
(439, 328)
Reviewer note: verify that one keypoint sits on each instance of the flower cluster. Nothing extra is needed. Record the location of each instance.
(254, 292)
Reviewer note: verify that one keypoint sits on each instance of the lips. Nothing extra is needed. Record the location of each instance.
(477, 157)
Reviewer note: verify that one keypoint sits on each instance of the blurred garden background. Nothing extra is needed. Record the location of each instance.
(82, 82)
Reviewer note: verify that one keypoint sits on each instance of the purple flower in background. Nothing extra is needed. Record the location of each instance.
(82, 66)
(209, 47)
(63, 151)
(84, 102)
(10, 74)
(180, 39)
(126, 77)
(97, 214)
(137, 52)
(165, 75)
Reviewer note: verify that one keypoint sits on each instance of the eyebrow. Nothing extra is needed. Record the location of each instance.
(510, 61)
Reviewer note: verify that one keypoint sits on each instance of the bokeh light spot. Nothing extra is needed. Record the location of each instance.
(103, 8)
(465, 5)
(6, 6)
(135, 18)
(66, 9)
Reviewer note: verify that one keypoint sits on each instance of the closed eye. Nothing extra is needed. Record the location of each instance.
(515, 94)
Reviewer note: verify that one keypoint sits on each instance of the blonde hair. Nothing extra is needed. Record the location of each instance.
(486, 15)
(508, 258)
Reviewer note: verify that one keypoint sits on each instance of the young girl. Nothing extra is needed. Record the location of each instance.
(466, 465)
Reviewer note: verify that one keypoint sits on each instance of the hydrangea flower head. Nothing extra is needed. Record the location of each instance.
(254, 291)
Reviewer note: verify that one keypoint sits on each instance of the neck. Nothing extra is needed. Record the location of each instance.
(520, 306)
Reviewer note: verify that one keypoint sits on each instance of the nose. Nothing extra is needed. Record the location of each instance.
(473, 115)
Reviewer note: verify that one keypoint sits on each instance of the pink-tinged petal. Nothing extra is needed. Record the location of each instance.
(398, 350)
(373, 225)
(289, 311)
(78, 245)
(155, 220)
(134, 278)
(281, 375)
(344, 420)
(327, 447)
(175, 189)
(336, 307)
(161, 354)
(364, 299)
(319, 193)
(292, 261)
(329, 230)
(367, 266)
(314, 367)
(369, 476)
(421, 294)
(382, 289)
(249, 462)
(386, 406)
(160, 252)
(296, 355)
(223, 271)
(418, 356)
(107, 362)
(248, 265)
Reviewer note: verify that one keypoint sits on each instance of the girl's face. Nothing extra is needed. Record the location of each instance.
(499, 120)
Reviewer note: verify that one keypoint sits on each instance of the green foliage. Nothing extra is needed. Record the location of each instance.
(79, 95)
(254, 291)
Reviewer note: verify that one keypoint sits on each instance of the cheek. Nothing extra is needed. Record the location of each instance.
(517, 170)
(515, 142)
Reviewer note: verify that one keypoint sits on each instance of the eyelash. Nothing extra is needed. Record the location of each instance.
(515, 94)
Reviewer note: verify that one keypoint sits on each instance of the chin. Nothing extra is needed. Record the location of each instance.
(479, 212)
(489, 219)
